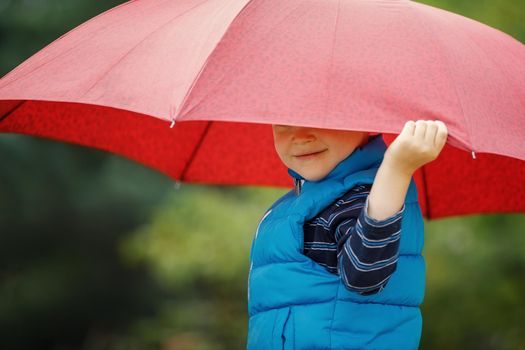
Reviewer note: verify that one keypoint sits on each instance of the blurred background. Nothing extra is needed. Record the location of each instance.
(98, 252)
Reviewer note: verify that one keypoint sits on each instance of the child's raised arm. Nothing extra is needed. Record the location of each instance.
(419, 143)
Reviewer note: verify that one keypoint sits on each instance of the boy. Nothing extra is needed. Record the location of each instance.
(336, 264)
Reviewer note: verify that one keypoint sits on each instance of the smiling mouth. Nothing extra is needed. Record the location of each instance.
(308, 155)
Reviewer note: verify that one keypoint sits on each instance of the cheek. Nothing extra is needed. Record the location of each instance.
(342, 149)
(280, 148)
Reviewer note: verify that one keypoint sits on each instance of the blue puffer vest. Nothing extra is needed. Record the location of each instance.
(294, 303)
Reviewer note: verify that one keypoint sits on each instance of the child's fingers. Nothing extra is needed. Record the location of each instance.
(430, 134)
(441, 135)
(421, 128)
(409, 128)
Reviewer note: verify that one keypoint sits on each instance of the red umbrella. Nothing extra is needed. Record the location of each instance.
(221, 71)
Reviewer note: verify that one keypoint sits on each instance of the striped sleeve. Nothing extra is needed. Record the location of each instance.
(368, 252)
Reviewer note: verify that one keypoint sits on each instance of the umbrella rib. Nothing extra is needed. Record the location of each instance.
(204, 65)
(50, 45)
(505, 73)
(18, 105)
(496, 65)
(226, 74)
(328, 76)
(195, 150)
(446, 64)
(128, 52)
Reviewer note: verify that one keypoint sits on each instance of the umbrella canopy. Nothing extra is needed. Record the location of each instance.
(218, 72)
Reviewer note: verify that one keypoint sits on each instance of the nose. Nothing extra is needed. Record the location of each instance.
(302, 135)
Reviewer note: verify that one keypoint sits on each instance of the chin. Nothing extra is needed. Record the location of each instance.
(314, 177)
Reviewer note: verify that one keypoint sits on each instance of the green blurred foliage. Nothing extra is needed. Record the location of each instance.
(64, 211)
(97, 252)
(505, 15)
(197, 246)
(475, 283)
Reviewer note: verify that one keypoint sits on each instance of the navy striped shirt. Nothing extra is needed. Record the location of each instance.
(347, 242)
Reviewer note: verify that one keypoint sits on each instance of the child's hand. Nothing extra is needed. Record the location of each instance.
(419, 143)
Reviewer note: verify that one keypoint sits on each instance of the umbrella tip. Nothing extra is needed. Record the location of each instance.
(172, 123)
(473, 155)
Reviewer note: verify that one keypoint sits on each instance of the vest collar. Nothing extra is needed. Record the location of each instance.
(364, 157)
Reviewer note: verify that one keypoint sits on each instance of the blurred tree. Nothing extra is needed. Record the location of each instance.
(475, 270)
(63, 213)
(197, 246)
(63, 210)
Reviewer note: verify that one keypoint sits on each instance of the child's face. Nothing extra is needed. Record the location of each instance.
(312, 152)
